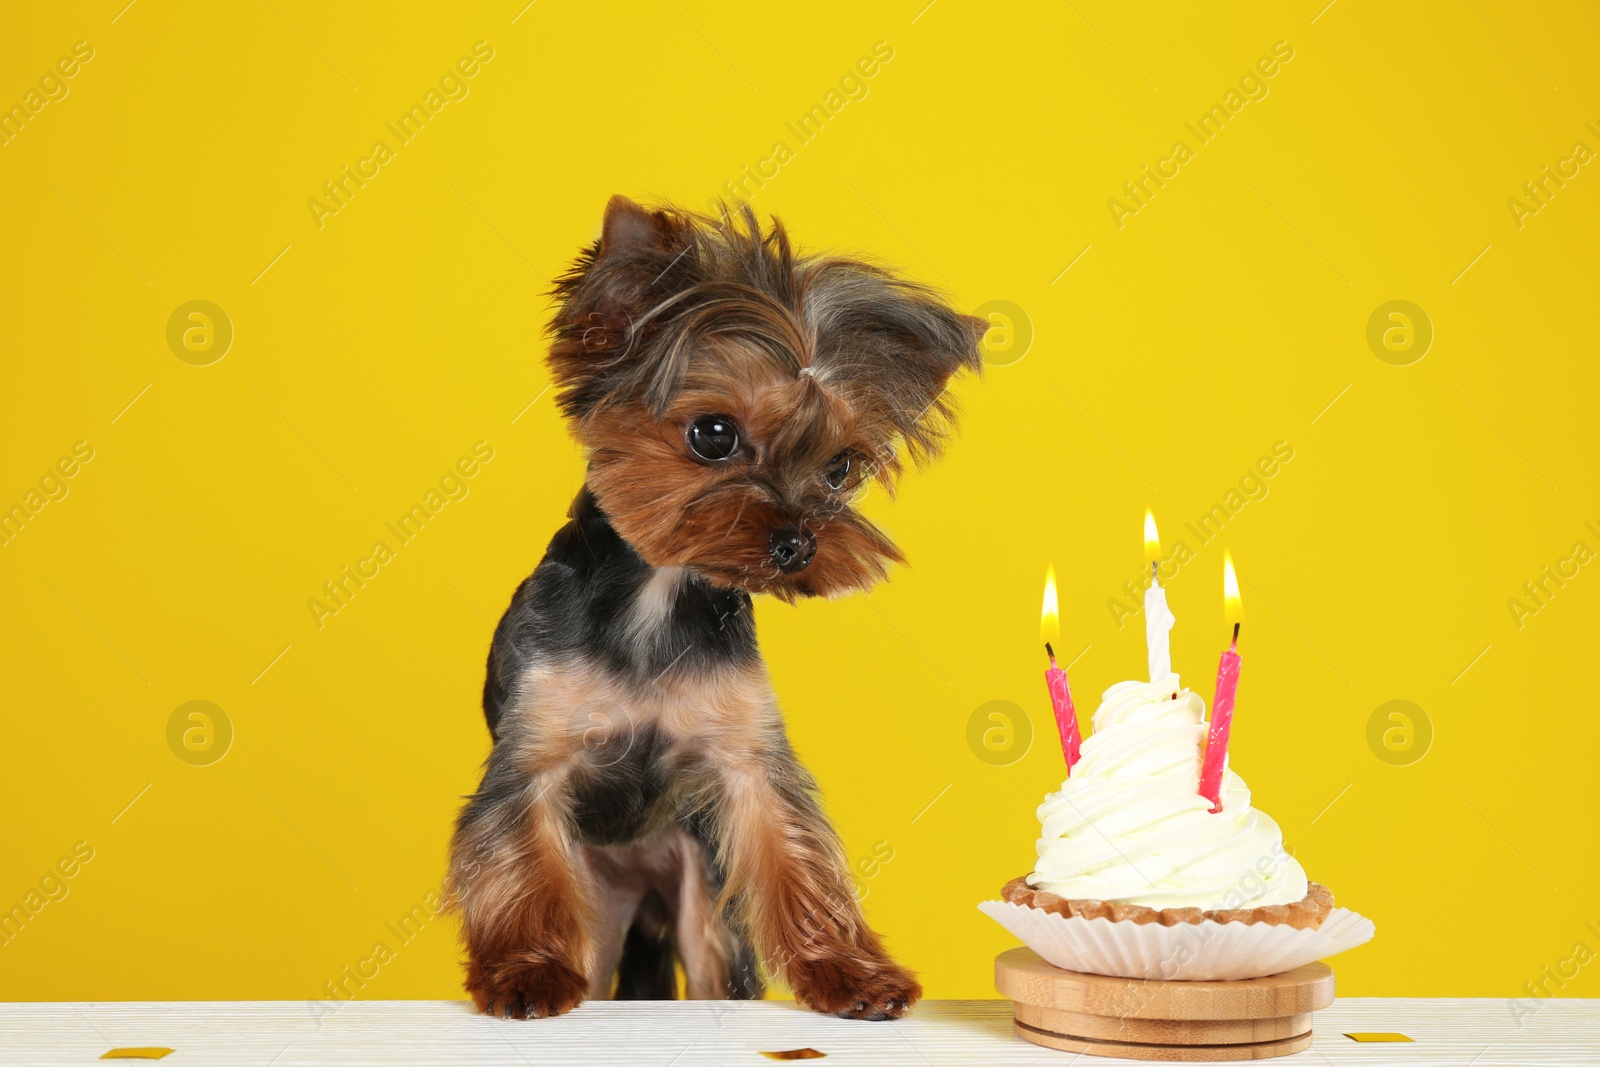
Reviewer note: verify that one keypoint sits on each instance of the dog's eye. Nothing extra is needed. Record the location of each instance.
(713, 437)
(838, 471)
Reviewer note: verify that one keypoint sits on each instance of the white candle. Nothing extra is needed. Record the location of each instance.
(1158, 618)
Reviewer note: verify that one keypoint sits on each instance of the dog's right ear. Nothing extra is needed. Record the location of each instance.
(630, 230)
(636, 245)
(641, 259)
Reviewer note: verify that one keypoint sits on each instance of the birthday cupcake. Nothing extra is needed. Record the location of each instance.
(1138, 877)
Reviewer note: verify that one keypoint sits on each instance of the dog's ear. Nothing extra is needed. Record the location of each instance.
(629, 230)
(642, 257)
(939, 343)
(892, 350)
(631, 268)
(978, 326)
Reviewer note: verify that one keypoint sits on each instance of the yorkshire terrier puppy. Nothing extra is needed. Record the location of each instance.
(641, 806)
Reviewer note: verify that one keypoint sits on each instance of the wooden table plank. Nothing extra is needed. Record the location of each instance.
(1446, 1033)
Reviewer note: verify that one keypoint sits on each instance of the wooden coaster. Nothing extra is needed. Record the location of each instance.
(1130, 1018)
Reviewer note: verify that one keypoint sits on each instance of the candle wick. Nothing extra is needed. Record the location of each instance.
(1050, 652)
(1235, 635)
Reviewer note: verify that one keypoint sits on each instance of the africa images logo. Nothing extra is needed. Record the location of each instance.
(1208, 127)
(452, 86)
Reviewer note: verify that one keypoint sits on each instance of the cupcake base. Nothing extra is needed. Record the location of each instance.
(1151, 1019)
(1307, 913)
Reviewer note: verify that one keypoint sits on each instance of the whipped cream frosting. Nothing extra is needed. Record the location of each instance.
(1130, 825)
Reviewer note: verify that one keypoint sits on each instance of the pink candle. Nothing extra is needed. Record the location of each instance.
(1216, 755)
(1221, 725)
(1066, 714)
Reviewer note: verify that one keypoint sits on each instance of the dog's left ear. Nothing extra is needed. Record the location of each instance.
(978, 326)
(945, 343)
(938, 343)
(893, 352)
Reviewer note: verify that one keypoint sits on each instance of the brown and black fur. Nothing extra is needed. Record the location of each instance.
(641, 806)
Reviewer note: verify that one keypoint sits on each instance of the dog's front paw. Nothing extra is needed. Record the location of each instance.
(856, 989)
(527, 990)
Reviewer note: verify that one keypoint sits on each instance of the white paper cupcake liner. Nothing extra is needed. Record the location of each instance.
(1193, 952)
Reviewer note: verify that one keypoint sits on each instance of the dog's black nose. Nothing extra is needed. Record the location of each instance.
(792, 548)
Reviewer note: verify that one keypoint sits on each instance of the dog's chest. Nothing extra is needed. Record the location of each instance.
(633, 755)
(674, 623)
(644, 680)
(579, 712)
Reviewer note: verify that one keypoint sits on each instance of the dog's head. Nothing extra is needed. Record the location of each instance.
(734, 396)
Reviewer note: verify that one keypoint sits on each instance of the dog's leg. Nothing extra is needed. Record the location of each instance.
(621, 887)
(787, 868)
(705, 944)
(522, 891)
(703, 905)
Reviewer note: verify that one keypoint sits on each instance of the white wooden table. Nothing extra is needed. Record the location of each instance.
(1445, 1033)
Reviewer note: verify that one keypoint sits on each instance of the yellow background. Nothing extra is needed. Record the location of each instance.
(1225, 316)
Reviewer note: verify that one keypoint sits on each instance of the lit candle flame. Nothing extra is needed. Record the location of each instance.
(1152, 540)
(1233, 608)
(1050, 612)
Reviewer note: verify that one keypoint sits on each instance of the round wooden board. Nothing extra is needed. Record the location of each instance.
(1163, 1031)
(1131, 1018)
(1165, 1053)
(1023, 976)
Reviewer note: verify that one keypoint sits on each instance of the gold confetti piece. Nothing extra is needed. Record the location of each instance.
(796, 1054)
(1377, 1037)
(137, 1054)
